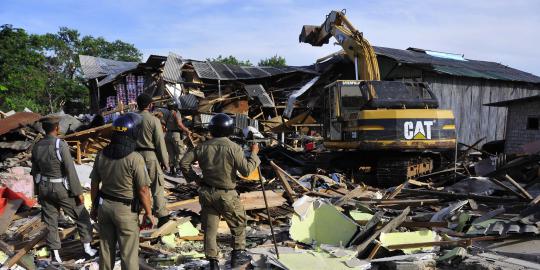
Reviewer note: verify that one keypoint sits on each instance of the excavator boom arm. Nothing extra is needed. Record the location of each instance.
(354, 44)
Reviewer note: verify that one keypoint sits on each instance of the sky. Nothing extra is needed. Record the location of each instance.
(502, 31)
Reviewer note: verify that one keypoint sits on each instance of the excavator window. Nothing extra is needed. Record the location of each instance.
(351, 96)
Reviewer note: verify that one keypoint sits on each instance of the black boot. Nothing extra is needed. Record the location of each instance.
(213, 265)
(239, 257)
(163, 220)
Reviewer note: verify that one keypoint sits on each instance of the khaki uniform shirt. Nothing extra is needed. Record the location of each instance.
(45, 162)
(170, 118)
(151, 137)
(120, 178)
(219, 160)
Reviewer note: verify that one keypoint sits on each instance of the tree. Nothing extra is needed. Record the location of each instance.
(274, 61)
(41, 72)
(230, 60)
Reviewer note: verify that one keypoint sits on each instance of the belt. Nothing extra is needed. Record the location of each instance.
(218, 188)
(52, 180)
(116, 199)
(144, 149)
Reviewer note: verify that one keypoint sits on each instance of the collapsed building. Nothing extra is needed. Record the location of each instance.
(459, 84)
(477, 211)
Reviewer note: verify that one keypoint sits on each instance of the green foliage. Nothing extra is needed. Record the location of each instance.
(230, 60)
(274, 61)
(41, 72)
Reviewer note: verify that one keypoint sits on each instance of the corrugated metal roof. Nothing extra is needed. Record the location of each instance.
(220, 71)
(17, 120)
(188, 102)
(94, 67)
(257, 91)
(465, 68)
(172, 72)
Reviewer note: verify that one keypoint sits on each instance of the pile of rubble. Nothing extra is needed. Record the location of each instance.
(480, 213)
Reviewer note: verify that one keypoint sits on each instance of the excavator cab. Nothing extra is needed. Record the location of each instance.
(382, 115)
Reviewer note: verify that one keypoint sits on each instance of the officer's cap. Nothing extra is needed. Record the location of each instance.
(50, 120)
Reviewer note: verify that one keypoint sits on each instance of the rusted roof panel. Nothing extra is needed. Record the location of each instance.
(17, 120)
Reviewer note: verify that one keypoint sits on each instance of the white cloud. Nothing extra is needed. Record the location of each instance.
(492, 30)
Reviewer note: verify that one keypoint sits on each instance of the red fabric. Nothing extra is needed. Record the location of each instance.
(309, 146)
(7, 194)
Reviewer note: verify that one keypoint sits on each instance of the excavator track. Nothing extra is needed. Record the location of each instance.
(396, 170)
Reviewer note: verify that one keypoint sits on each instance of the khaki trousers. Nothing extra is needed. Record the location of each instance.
(118, 224)
(218, 203)
(159, 202)
(52, 197)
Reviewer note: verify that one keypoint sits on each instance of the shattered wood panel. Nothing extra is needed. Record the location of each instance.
(237, 107)
(17, 120)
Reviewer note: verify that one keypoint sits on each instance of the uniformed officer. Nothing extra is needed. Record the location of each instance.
(151, 145)
(219, 160)
(124, 188)
(58, 188)
(173, 136)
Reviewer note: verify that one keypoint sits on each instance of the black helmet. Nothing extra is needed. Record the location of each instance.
(221, 125)
(127, 125)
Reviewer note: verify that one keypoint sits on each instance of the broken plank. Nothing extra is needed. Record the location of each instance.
(370, 227)
(518, 186)
(165, 229)
(288, 190)
(8, 250)
(393, 224)
(397, 190)
(356, 192)
(460, 242)
(482, 198)
(292, 178)
(501, 184)
(21, 252)
(8, 214)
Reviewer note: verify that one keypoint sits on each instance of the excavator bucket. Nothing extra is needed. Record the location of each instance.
(313, 35)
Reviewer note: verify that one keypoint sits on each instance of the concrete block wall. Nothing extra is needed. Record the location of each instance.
(517, 133)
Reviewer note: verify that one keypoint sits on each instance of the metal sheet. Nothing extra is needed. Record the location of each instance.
(292, 98)
(17, 120)
(258, 91)
(94, 67)
(172, 72)
(221, 71)
(468, 68)
(188, 102)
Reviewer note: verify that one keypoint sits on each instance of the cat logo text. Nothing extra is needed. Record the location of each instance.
(419, 130)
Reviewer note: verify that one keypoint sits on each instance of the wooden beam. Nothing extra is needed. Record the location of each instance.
(461, 242)
(19, 254)
(518, 186)
(393, 224)
(480, 198)
(292, 179)
(289, 192)
(356, 192)
(501, 184)
(8, 250)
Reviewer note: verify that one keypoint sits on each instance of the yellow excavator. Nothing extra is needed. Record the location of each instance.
(394, 126)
